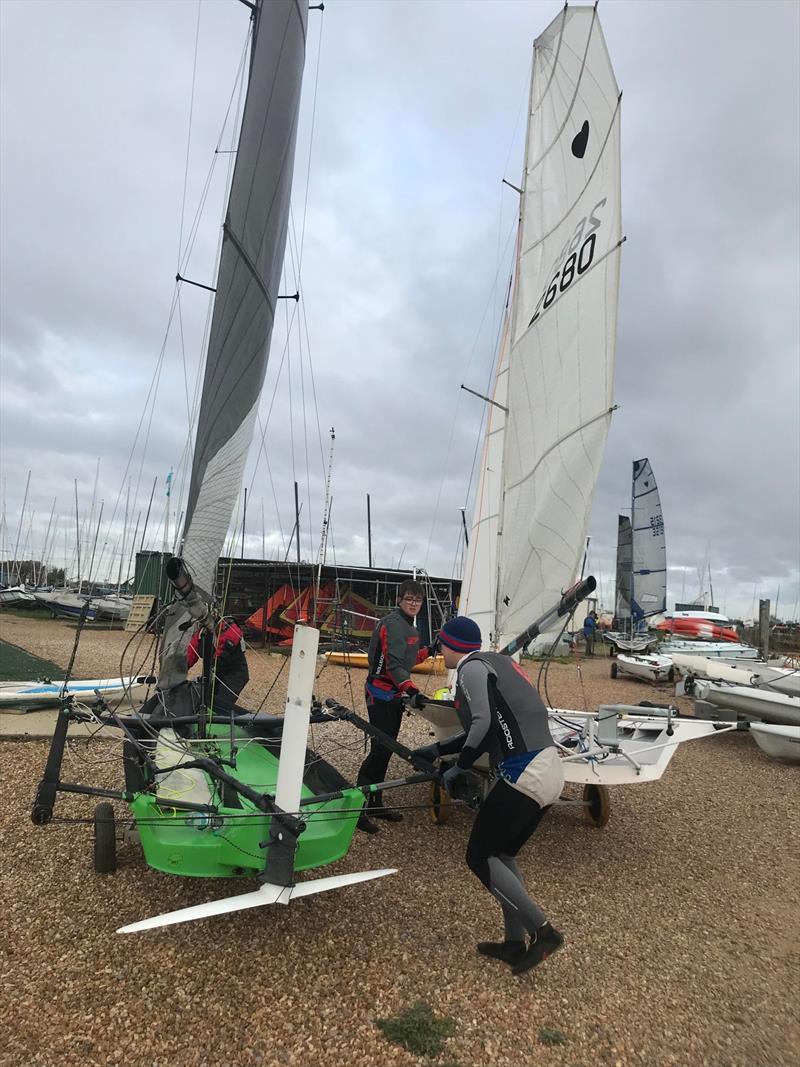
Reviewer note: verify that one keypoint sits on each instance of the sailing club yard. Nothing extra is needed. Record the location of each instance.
(681, 918)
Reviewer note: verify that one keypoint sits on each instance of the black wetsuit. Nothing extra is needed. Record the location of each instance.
(502, 715)
(393, 650)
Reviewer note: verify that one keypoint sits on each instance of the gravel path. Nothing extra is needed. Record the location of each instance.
(681, 918)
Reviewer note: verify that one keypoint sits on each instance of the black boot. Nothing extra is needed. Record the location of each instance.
(389, 814)
(509, 952)
(366, 824)
(547, 941)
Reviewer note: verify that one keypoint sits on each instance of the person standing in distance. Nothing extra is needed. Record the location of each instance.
(393, 650)
(503, 716)
(589, 628)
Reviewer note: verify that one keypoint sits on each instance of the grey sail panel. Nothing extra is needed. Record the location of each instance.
(649, 576)
(622, 606)
(254, 241)
(253, 246)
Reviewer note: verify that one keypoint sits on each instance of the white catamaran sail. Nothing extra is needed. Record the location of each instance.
(649, 570)
(554, 379)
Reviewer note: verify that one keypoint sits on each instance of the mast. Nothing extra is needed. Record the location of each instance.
(326, 516)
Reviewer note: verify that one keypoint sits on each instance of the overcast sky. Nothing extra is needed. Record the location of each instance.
(418, 113)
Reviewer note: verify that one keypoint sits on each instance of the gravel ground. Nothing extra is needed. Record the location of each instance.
(681, 918)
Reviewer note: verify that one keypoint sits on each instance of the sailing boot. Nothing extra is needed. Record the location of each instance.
(509, 952)
(366, 824)
(545, 942)
(376, 810)
(389, 814)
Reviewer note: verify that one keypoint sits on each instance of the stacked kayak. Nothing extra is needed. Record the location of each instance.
(28, 696)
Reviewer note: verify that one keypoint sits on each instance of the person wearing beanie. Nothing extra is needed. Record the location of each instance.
(503, 717)
(393, 650)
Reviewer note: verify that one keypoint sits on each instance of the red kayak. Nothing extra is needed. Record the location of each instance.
(703, 629)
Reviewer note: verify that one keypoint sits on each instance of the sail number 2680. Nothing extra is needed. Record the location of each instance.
(579, 253)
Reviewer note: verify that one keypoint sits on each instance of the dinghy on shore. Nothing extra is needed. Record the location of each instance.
(651, 668)
(28, 696)
(764, 704)
(780, 742)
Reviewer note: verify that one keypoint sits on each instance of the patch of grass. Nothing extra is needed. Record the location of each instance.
(548, 1035)
(418, 1030)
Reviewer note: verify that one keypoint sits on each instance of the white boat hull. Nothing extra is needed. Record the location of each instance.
(748, 673)
(650, 668)
(28, 696)
(643, 746)
(761, 704)
(780, 742)
(719, 649)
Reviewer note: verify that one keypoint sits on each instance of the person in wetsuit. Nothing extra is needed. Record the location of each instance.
(502, 716)
(393, 650)
(230, 674)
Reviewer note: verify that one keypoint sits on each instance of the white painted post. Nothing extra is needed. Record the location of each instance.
(296, 718)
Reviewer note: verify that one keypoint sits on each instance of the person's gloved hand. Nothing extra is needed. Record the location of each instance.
(433, 648)
(454, 778)
(427, 752)
(414, 699)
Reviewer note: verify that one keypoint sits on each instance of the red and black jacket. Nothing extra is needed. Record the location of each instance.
(393, 650)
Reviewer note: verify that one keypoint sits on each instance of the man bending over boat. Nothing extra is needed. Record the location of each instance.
(503, 716)
(393, 650)
(230, 674)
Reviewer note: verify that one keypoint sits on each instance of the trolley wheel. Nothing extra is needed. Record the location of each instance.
(440, 804)
(105, 839)
(613, 670)
(597, 804)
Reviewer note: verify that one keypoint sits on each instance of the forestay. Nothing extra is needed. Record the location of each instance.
(558, 380)
(649, 578)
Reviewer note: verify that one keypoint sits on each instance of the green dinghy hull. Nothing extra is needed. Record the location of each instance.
(232, 842)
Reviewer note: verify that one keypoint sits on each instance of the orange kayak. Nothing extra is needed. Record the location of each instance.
(434, 665)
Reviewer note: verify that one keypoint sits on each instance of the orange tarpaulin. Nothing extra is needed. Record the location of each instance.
(352, 615)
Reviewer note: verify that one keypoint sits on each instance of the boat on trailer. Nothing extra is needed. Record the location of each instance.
(218, 791)
(551, 405)
(649, 668)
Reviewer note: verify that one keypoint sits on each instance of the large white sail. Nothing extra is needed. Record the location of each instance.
(649, 572)
(559, 381)
(254, 241)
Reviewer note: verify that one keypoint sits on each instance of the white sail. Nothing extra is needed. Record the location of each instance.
(649, 573)
(558, 380)
(479, 586)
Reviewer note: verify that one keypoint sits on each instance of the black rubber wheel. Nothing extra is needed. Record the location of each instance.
(440, 804)
(105, 839)
(597, 804)
(613, 670)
